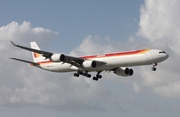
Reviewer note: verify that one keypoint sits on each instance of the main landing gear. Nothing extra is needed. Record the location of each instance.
(81, 73)
(154, 68)
(98, 76)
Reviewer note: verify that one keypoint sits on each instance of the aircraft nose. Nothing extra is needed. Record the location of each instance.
(166, 56)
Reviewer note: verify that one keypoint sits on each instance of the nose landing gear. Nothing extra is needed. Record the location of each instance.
(154, 68)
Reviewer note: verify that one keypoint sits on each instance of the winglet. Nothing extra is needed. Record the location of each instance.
(13, 43)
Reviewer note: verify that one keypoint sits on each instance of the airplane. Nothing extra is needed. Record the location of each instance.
(117, 62)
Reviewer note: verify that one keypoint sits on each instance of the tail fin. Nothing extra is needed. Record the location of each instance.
(36, 56)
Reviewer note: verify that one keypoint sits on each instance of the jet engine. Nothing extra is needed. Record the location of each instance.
(123, 71)
(57, 57)
(89, 64)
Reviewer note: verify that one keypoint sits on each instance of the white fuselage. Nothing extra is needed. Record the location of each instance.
(113, 60)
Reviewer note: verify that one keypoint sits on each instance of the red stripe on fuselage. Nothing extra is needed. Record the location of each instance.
(45, 62)
(115, 54)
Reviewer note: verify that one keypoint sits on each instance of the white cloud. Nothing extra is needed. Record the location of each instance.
(13, 89)
(159, 23)
(160, 20)
(23, 85)
(159, 17)
(96, 45)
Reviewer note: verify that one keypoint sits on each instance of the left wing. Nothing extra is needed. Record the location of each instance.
(31, 63)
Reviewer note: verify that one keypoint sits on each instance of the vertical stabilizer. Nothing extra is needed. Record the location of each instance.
(36, 56)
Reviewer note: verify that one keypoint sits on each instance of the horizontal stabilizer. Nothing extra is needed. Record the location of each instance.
(32, 63)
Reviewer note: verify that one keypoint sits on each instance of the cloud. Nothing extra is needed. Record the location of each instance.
(159, 24)
(23, 85)
(160, 18)
(13, 88)
(96, 45)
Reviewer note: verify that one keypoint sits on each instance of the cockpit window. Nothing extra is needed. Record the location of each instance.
(162, 52)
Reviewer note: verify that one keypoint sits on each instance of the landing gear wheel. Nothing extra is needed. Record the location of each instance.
(153, 69)
(99, 76)
(76, 75)
(88, 75)
(95, 78)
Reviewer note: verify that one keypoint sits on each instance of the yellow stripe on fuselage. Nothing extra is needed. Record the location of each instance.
(144, 51)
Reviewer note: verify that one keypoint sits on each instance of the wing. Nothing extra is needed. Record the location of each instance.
(44, 53)
(32, 63)
(76, 61)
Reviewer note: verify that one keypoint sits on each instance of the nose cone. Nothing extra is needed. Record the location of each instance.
(166, 56)
(163, 54)
(158, 55)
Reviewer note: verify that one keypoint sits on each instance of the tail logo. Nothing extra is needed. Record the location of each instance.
(36, 55)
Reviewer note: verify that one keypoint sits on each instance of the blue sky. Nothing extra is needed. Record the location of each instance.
(86, 27)
(74, 20)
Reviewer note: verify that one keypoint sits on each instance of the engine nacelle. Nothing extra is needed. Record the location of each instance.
(123, 72)
(57, 57)
(89, 64)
